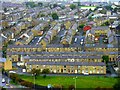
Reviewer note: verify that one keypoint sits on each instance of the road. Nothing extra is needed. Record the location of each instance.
(113, 73)
(34, 41)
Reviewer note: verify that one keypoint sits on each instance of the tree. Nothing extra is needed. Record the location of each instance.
(90, 18)
(36, 72)
(5, 9)
(40, 4)
(108, 7)
(105, 58)
(103, 11)
(55, 16)
(80, 27)
(62, 7)
(72, 6)
(15, 78)
(55, 5)
(31, 4)
(46, 71)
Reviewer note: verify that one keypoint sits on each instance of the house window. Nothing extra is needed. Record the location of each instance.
(72, 71)
(110, 59)
(71, 66)
(78, 66)
(64, 70)
(65, 66)
(78, 71)
(37, 66)
(113, 59)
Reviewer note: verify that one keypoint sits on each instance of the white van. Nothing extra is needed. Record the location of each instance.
(3, 80)
(86, 73)
(12, 72)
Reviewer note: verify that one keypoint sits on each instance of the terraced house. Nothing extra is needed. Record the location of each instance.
(42, 42)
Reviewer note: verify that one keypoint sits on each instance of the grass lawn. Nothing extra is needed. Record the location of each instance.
(88, 7)
(81, 81)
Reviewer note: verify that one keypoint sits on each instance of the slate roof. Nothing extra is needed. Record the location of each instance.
(67, 63)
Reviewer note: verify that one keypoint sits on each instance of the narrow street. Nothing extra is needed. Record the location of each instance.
(113, 73)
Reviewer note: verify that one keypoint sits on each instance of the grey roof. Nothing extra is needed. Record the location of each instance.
(60, 53)
(65, 57)
(101, 28)
(24, 46)
(67, 63)
(2, 60)
(59, 45)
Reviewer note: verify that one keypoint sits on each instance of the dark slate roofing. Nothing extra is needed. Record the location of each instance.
(59, 45)
(24, 46)
(65, 57)
(67, 63)
(60, 53)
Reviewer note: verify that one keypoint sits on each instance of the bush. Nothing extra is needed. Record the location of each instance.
(55, 16)
(71, 87)
(27, 84)
(72, 6)
(45, 71)
(44, 76)
(15, 78)
(58, 87)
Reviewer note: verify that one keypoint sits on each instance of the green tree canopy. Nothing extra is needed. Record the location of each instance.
(81, 26)
(36, 72)
(31, 4)
(40, 4)
(90, 18)
(103, 11)
(72, 6)
(46, 71)
(55, 16)
(105, 58)
(108, 7)
(55, 5)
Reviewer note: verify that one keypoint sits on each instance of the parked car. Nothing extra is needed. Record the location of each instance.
(12, 72)
(3, 80)
(86, 73)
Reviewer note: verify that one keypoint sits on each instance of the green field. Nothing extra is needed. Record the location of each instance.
(81, 81)
(88, 7)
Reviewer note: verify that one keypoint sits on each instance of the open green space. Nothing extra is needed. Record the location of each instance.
(88, 7)
(66, 81)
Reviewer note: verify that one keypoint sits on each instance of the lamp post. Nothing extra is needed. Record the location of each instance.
(75, 81)
(34, 78)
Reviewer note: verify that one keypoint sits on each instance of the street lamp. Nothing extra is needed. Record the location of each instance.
(34, 78)
(75, 81)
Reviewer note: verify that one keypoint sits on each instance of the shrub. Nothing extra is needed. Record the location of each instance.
(46, 71)
(71, 87)
(44, 76)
